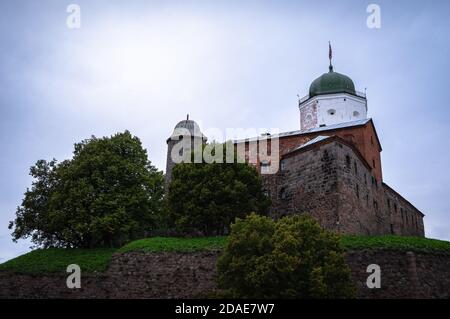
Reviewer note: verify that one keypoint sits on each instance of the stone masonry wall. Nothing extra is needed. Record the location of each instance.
(308, 183)
(191, 275)
(335, 185)
(373, 205)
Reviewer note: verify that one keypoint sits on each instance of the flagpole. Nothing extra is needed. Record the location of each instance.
(330, 56)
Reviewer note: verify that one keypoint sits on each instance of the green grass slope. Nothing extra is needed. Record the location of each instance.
(159, 244)
(395, 242)
(57, 259)
(96, 260)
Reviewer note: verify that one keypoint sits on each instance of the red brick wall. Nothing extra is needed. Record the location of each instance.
(363, 137)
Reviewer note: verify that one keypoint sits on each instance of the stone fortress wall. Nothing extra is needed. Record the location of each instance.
(404, 274)
(338, 180)
(332, 183)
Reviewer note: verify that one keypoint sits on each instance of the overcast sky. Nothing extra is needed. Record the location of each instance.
(143, 65)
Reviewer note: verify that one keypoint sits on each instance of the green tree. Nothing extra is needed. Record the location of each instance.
(204, 198)
(291, 258)
(107, 194)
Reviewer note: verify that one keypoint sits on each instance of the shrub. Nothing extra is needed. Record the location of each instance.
(291, 258)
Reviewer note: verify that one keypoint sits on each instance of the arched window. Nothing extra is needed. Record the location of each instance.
(282, 194)
(308, 118)
(347, 161)
(283, 165)
(265, 167)
(349, 137)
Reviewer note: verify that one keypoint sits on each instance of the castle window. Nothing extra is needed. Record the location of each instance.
(356, 168)
(331, 111)
(389, 203)
(349, 137)
(283, 193)
(347, 161)
(395, 208)
(373, 163)
(266, 192)
(375, 205)
(374, 182)
(265, 167)
(371, 140)
(392, 229)
(181, 152)
(357, 190)
(365, 179)
(283, 165)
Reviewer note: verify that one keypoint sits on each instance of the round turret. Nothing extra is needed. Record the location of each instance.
(185, 138)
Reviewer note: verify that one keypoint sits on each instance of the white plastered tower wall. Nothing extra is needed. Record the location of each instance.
(330, 109)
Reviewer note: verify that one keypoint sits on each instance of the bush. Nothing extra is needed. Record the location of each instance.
(291, 258)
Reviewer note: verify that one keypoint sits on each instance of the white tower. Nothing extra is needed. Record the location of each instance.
(332, 99)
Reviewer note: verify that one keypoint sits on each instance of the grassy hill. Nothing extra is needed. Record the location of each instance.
(54, 260)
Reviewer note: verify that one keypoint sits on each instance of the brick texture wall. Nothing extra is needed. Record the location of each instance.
(363, 137)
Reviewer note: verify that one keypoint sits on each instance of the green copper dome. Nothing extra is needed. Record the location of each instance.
(332, 82)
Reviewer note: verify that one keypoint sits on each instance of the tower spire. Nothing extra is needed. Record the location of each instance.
(330, 56)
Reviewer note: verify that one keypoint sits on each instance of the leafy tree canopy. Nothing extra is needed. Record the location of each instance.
(204, 198)
(107, 194)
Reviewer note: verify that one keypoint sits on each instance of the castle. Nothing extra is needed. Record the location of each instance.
(330, 168)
